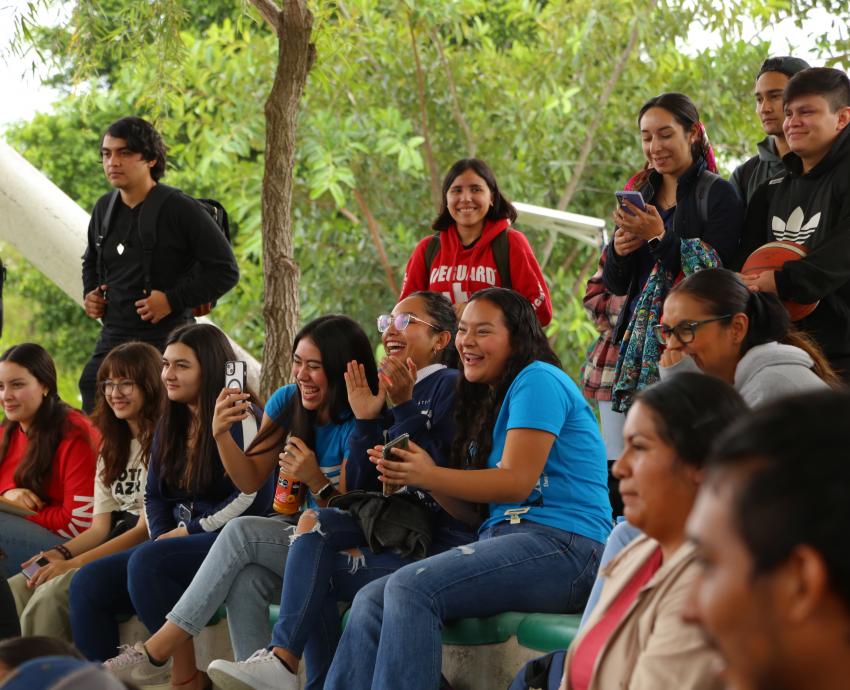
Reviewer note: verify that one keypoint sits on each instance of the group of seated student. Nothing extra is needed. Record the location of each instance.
(732, 545)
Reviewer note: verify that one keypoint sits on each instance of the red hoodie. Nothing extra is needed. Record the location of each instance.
(458, 271)
(70, 485)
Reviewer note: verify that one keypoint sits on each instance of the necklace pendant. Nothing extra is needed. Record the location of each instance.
(120, 248)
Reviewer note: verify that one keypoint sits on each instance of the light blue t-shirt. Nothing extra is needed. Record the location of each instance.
(331, 439)
(572, 492)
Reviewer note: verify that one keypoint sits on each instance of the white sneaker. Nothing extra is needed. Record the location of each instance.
(261, 671)
(134, 665)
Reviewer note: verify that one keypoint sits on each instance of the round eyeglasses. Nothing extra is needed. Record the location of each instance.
(123, 387)
(685, 331)
(400, 321)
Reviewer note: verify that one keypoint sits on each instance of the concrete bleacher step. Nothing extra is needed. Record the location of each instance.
(478, 653)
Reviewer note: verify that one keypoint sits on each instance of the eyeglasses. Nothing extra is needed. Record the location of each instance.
(123, 387)
(400, 321)
(685, 332)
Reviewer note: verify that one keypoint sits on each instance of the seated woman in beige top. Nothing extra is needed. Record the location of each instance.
(635, 637)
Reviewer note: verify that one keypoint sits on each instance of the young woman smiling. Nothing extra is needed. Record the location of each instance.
(305, 430)
(189, 497)
(688, 224)
(713, 323)
(47, 458)
(474, 218)
(128, 405)
(529, 448)
(332, 546)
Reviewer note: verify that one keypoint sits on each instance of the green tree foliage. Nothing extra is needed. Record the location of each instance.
(517, 82)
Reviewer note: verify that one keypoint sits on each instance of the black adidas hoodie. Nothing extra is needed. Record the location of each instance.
(813, 210)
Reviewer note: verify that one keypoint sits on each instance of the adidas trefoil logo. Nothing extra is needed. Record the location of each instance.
(793, 230)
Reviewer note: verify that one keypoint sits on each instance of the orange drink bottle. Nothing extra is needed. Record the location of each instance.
(287, 493)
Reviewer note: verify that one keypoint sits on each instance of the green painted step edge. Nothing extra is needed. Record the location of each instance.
(547, 632)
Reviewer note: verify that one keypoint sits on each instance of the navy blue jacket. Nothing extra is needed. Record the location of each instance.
(167, 507)
(429, 419)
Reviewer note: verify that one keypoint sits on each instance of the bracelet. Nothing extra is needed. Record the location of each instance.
(64, 550)
(325, 492)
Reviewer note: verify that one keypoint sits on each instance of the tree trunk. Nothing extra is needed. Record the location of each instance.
(294, 24)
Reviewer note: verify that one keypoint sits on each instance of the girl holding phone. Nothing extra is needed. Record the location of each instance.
(692, 219)
(305, 430)
(333, 546)
(189, 497)
(128, 404)
(474, 246)
(47, 459)
(529, 448)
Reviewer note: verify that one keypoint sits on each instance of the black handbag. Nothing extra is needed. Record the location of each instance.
(399, 522)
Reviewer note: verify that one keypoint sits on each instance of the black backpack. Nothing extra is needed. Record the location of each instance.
(147, 231)
(499, 246)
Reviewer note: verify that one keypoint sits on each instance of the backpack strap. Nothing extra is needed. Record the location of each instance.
(147, 226)
(102, 232)
(704, 183)
(501, 255)
(431, 251)
(747, 170)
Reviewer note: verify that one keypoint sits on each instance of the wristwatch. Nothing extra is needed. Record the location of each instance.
(653, 242)
(325, 492)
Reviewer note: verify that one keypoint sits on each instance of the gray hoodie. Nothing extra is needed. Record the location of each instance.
(764, 373)
(767, 164)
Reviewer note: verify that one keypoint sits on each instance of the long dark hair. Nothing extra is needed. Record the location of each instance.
(477, 404)
(339, 339)
(442, 314)
(501, 208)
(686, 114)
(722, 292)
(690, 411)
(49, 426)
(178, 467)
(142, 364)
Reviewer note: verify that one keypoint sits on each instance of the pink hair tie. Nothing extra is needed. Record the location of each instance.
(708, 150)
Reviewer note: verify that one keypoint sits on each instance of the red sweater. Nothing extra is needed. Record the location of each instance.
(458, 271)
(70, 485)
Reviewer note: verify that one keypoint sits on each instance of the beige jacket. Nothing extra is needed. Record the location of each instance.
(652, 648)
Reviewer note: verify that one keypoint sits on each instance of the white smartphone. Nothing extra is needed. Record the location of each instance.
(234, 374)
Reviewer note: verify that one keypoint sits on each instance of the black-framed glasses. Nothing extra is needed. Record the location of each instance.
(400, 321)
(685, 331)
(124, 387)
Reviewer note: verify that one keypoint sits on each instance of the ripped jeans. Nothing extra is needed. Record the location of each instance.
(317, 577)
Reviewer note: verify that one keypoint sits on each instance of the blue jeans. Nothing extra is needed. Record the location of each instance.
(394, 631)
(244, 568)
(20, 539)
(147, 580)
(621, 536)
(317, 577)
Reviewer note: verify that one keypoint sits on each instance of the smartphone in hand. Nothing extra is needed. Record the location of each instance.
(33, 567)
(235, 374)
(401, 441)
(634, 198)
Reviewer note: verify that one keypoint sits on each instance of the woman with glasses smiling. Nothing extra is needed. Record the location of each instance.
(128, 404)
(714, 324)
(332, 546)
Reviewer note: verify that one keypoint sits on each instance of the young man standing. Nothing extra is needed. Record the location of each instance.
(810, 204)
(770, 84)
(191, 262)
(770, 526)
